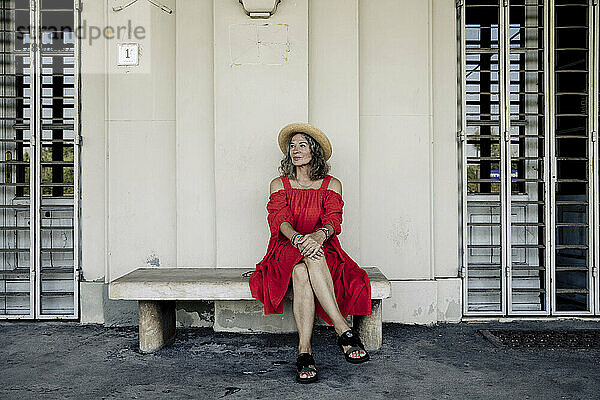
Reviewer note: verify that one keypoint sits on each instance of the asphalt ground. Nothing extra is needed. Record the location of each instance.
(54, 360)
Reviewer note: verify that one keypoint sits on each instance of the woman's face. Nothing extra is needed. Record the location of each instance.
(300, 150)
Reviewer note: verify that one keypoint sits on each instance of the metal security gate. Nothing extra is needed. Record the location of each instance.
(39, 167)
(528, 128)
(573, 180)
(596, 154)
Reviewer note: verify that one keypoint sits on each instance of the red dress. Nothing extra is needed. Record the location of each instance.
(307, 210)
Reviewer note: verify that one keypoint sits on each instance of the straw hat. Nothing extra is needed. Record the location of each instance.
(302, 127)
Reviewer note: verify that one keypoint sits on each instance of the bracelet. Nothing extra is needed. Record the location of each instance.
(295, 239)
(326, 231)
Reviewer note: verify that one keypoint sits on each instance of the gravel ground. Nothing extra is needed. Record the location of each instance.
(552, 339)
(53, 360)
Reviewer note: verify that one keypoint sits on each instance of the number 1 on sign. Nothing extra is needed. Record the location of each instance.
(128, 54)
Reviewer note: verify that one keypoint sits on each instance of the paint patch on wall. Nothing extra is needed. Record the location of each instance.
(153, 260)
(400, 232)
(252, 44)
(453, 311)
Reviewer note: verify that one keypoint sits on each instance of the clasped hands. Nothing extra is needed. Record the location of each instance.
(311, 245)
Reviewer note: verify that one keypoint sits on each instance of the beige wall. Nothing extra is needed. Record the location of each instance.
(333, 100)
(185, 150)
(395, 202)
(93, 154)
(445, 162)
(195, 140)
(130, 124)
(141, 148)
(252, 102)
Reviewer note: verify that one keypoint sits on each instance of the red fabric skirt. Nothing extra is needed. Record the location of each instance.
(272, 277)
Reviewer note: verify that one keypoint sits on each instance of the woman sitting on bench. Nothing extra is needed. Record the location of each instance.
(305, 216)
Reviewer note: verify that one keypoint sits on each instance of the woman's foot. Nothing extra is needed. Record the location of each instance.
(355, 354)
(353, 349)
(307, 371)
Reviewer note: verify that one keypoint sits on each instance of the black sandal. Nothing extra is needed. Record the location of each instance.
(302, 362)
(350, 338)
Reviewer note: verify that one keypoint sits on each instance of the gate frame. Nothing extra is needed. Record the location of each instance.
(550, 172)
(35, 149)
(76, 166)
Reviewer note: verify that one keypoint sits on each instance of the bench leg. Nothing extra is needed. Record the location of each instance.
(369, 327)
(157, 324)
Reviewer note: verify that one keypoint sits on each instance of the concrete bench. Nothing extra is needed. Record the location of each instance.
(157, 290)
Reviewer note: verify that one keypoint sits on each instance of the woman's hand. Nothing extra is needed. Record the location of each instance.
(311, 245)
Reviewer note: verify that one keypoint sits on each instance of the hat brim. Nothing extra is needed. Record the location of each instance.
(303, 127)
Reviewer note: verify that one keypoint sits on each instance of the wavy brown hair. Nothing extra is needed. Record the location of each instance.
(319, 166)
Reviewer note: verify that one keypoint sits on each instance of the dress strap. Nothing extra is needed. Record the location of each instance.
(286, 183)
(325, 182)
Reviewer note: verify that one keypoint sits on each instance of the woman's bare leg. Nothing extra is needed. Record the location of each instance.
(304, 309)
(322, 285)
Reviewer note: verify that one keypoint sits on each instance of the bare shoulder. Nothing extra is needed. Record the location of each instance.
(276, 185)
(335, 185)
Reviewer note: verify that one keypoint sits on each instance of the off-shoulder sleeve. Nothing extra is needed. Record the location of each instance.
(333, 210)
(279, 211)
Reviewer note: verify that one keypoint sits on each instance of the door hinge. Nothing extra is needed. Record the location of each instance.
(505, 3)
(32, 5)
(594, 2)
(594, 136)
(506, 136)
(460, 3)
(507, 271)
(78, 5)
(462, 272)
(594, 271)
(460, 136)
